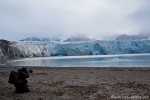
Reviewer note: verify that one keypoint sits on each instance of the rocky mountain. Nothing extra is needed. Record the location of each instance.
(133, 37)
(77, 38)
(4, 49)
(40, 39)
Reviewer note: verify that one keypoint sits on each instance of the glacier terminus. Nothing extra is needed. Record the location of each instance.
(94, 47)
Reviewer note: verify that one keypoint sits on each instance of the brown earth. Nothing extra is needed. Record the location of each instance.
(80, 84)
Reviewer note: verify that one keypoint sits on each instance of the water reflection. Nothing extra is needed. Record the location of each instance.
(126, 60)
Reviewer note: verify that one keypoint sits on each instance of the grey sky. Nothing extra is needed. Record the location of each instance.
(61, 18)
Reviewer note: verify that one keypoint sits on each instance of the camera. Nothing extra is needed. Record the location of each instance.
(31, 71)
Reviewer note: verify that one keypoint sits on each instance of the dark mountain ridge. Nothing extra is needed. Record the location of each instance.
(40, 39)
(133, 37)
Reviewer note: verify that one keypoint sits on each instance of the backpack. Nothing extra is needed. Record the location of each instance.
(13, 77)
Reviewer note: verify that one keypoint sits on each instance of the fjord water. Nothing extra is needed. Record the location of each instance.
(121, 60)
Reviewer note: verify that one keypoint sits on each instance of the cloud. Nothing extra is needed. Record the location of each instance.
(62, 18)
(141, 16)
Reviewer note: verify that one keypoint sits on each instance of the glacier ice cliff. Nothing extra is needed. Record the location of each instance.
(96, 47)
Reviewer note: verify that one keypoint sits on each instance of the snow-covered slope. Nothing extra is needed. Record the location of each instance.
(77, 39)
(32, 49)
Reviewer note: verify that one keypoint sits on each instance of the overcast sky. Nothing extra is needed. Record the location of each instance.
(99, 19)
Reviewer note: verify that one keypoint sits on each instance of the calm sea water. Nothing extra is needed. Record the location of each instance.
(122, 60)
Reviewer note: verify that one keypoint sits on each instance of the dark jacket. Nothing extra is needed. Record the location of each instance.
(21, 85)
(22, 78)
(23, 75)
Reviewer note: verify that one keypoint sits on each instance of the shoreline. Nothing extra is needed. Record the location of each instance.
(79, 83)
(66, 67)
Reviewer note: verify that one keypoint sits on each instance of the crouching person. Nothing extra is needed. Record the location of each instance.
(21, 84)
(18, 78)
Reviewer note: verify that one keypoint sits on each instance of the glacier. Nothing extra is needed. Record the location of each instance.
(95, 47)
